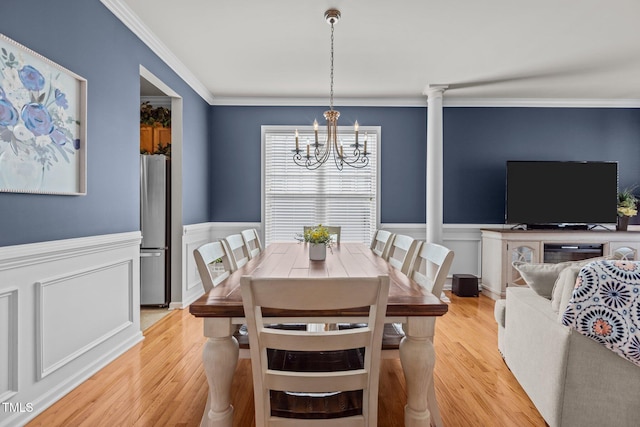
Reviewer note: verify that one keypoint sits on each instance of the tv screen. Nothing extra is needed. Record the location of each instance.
(555, 192)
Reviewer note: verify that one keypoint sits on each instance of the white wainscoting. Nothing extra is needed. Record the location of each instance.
(67, 309)
(8, 343)
(464, 239)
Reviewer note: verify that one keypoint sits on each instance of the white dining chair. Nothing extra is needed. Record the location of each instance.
(401, 252)
(252, 242)
(237, 250)
(381, 242)
(206, 257)
(334, 231)
(431, 267)
(282, 390)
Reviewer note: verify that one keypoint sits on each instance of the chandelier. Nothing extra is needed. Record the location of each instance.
(316, 154)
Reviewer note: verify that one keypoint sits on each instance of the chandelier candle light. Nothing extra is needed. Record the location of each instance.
(321, 152)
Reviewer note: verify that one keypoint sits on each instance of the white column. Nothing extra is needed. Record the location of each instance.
(434, 95)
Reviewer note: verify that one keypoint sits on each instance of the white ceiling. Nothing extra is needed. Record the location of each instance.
(389, 52)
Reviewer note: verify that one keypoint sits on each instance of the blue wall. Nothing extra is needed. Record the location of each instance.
(84, 37)
(222, 142)
(236, 140)
(477, 143)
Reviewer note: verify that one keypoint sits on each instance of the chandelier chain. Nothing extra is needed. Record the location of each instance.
(331, 93)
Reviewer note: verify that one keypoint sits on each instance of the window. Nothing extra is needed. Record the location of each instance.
(295, 197)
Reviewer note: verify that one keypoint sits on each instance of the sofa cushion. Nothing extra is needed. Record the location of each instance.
(563, 288)
(541, 277)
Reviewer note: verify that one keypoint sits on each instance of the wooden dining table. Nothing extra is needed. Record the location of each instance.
(409, 304)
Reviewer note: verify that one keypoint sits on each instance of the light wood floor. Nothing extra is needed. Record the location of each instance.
(160, 382)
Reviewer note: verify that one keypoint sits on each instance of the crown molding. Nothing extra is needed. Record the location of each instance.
(421, 101)
(320, 101)
(132, 22)
(541, 102)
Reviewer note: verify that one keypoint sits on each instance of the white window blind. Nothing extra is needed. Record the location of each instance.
(295, 196)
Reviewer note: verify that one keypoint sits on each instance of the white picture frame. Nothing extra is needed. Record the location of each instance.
(43, 117)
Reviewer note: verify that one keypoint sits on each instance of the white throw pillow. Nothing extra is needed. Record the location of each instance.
(541, 277)
(564, 286)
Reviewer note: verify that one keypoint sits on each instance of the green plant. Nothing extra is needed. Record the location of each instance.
(627, 202)
(317, 235)
(158, 116)
(163, 149)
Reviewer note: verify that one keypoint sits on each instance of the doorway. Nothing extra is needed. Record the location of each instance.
(158, 94)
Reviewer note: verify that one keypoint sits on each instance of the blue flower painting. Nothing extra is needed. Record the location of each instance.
(40, 123)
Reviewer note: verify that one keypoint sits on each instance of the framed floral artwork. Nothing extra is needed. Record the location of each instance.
(43, 118)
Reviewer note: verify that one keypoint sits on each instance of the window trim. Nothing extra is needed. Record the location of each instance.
(264, 129)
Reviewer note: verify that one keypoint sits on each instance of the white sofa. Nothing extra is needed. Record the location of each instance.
(572, 380)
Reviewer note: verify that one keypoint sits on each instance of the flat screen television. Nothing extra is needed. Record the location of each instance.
(559, 193)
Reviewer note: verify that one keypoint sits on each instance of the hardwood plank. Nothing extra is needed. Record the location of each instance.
(161, 382)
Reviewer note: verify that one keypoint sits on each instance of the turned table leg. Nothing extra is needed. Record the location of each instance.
(220, 357)
(417, 356)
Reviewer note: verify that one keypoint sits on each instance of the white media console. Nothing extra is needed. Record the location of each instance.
(500, 247)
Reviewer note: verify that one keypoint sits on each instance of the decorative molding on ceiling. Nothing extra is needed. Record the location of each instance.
(132, 21)
(421, 101)
(540, 102)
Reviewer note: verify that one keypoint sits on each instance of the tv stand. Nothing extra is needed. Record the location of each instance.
(501, 247)
(557, 227)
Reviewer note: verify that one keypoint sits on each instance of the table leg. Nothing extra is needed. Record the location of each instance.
(417, 356)
(220, 358)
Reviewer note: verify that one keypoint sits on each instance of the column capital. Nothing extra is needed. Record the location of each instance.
(435, 90)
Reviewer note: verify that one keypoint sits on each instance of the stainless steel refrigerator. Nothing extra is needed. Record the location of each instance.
(154, 223)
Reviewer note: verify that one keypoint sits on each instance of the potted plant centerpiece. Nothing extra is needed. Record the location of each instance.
(318, 239)
(627, 207)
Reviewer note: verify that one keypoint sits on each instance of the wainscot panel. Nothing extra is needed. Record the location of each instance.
(8, 343)
(464, 239)
(67, 308)
(67, 326)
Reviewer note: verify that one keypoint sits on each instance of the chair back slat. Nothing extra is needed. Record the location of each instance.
(402, 252)
(252, 242)
(431, 267)
(208, 269)
(235, 247)
(381, 243)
